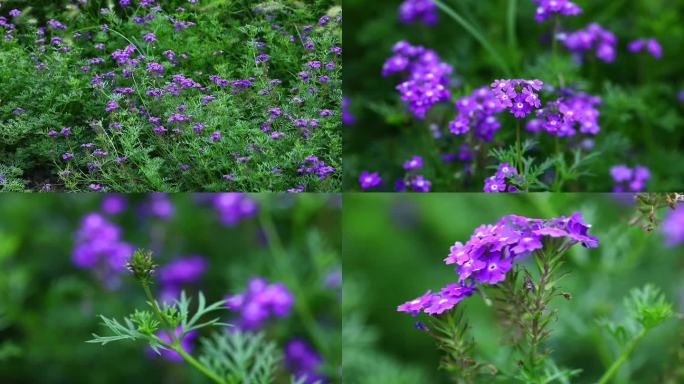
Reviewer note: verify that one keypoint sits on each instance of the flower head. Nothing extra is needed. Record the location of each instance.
(422, 10)
(548, 8)
(369, 179)
(518, 95)
(260, 301)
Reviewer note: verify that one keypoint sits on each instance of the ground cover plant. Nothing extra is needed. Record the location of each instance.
(514, 95)
(225, 288)
(547, 288)
(182, 95)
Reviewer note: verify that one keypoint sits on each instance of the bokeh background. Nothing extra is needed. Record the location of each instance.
(393, 251)
(641, 117)
(48, 306)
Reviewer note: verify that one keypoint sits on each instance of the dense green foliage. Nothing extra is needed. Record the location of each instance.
(225, 41)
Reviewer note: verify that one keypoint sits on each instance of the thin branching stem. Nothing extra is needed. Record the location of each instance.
(612, 370)
(157, 311)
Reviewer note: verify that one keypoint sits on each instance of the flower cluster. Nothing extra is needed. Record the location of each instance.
(491, 250)
(303, 361)
(593, 36)
(347, 117)
(98, 246)
(565, 115)
(260, 301)
(427, 76)
(672, 226)
(423, 10)
(178, 272)
(369, 179)
(629, 179)
(412, 180)
(518, 95)
(652, 46)
(503, 180)
(233, 206)
(477, 111)
(549, 8)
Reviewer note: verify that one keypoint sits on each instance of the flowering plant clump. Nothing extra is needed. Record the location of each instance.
(487, 259)
(629, 179)
(550, 98)
(171, 96)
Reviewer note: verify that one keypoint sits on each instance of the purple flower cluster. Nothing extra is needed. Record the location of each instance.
(234, 206)
(629, 179)
(564, 116)
(303, 361)
(178, 272)
(260, 301)
(413, 182)
(98, 246)
(593, 36)
(491, 250)
(652, 46)
(518, 95)
(312, 164)
(426, 80)
(672, 226)
(369, 179)
(347, 117)
(423, 10)
(549, 8)
(498, 183)
(477, 112)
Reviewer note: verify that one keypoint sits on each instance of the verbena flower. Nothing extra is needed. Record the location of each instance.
(426, 76)
(549, 8)
(672, 226)
(302, 360)
(476, 113)
(369, 179)
(259, 302)
(652, 46)
(519, 96)
(565, 116)
(415, 162)
(180, 271)
(629, 179)
(423, 10)
(234, 206)
(491, 251)
(592, 37)
(503, 180)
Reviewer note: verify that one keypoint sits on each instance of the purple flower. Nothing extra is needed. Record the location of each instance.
(423, 10)
(155, 67)
(15, 13)
(426, 80)
(98, 246)
(178, 272)
(185, 342)
(419, 183)
(495, 184)
(547, 8)
(593, 36)
(414, 162)
(628, 179)
(652, 46)
(303, 361)
(567, 115)
(347, 117)
(113, 203)
(672, 226)
(369, 179)
(233, 207)
(111, 105)
(150, 37)
(259, 302)
(518, 95)
(490, 252)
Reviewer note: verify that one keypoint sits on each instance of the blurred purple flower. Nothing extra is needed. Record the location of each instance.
(673, 226)
(423, 10)
(186, 344)
(113, 203)
(234, 206)
(259, 302)
(303, 361)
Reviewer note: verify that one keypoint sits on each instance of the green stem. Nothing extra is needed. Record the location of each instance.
(518, 146)
(476, 34)
(622, 358)
(207, 372)
(157, 311)
(511, 20)
(278, 252)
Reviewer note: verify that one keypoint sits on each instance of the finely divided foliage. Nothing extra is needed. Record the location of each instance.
(171, 96)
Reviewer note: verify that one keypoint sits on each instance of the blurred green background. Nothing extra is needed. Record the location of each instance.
(393, 247)
(48, 307)
(641, 119)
